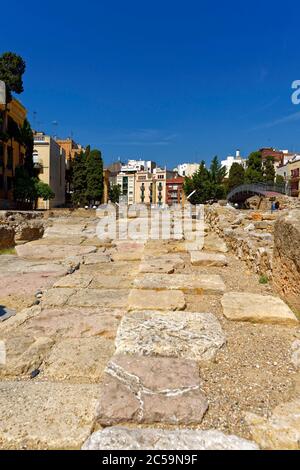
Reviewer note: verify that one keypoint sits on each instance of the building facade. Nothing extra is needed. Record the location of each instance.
(126, 181)
(294, 176)
(12, 152)
(187, 169)
(70, 148)
(174, 190)
(144, 188)
(230, 160)
(49, 161)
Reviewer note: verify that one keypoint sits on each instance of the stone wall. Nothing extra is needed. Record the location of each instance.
(286, 261)
(19, 227)
(248, 234)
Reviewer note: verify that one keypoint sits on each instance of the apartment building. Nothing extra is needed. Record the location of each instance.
(174, 190)
(12, 152)
(49, 161)
(126, 181)
(70, 148)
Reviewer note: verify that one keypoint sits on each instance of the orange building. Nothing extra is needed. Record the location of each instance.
(70, 148)
(12, 152)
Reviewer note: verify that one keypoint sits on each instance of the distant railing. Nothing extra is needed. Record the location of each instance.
(257, 188)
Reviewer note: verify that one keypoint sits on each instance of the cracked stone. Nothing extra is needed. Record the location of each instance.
(121, 438)
(57, 297)
(52, 252)
(146, 390)
(196, 336)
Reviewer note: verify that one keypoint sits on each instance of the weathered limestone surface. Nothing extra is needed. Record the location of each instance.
(113, 298)
(24, 353)
(214, 243)
(243, 306)
(78, 359)
(72, 322)
(52, 252)
(107, 281)
(281, 431)
(187, 335)
(161, 264)
(286, 258)
(121, 438)
(139, 299)
(127, 255)
(75, 280)
(45, 415)
(57, 297)
(14, 264)
(205, 283)
(201, 258)
(96, 258)
(146, 390)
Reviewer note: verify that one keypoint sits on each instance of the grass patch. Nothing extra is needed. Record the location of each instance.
(7, 251)
(263, 279)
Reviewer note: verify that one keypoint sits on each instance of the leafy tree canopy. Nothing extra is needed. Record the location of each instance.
(236, 176)
(12, 68)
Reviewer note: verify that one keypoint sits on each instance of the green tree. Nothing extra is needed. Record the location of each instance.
(236, 176)
(200, 183)
(12, 68)
(79, 179)
(254, 170)
(280, 180)
(27, 140)
(217, 174)
(269, 170)
(24, 187)
(114, 193)
(94, 176)
(43, 190)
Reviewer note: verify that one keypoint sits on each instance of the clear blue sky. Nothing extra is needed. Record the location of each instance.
(164, 80)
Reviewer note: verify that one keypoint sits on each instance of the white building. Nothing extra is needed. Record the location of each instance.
(138, 165)
(126, 181)
(187, 169)
(230, 160)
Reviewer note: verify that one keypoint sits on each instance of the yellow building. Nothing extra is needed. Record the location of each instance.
(144, 185)
(12, 152)
(49, 162)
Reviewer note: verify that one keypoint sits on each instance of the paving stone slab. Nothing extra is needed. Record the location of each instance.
(281, 431)
(106, 281)
(146, 390)
(198, 283)
(44, 415)
(214, 243)
(121, 438)
(202, 258)
(139, 299)
(161, 264)
(14, 264)
(113, 298)
(52, 252)
(57, 297)
(196, 336)
(128, 255)
(78, 359)
(129, 269)
(74, 280)
(25, 283)
(96, 258)
(24, 353)
(244, 306)
(72, 322)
